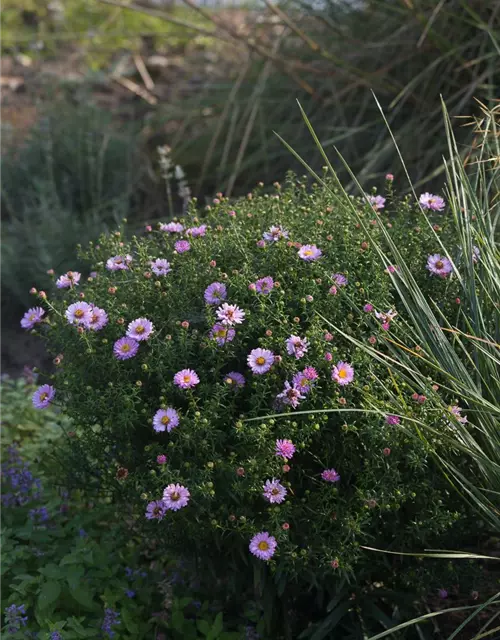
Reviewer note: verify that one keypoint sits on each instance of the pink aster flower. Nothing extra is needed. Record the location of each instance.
(274, 491)
(230, 314)
(274, 234)
(69, 279)
(330, 475)
(160, 266)
(32, 317)
(156, 510)
(310, 373)
(140, 329)
(260, 360)
(118, 263)
(263, 546)
(392, 420)
(368, 308)
(456, 412)
(197, 232)
(79, 313)
(284, 449)
(377, 202)
(310, 252)
(43, 396)
(264, 285)
(305, 379)
(125, 348)
(297, 346)
(222, 334)
(181, 246)
(215, 293)
(339, 279)
(343, 373)
(291, 395)
(165, 419)
(186, 379)
(234, 379)
(98, 319)
(439, 265)
(172, 227)
(175, 496)
(161, 459)
(432, 202)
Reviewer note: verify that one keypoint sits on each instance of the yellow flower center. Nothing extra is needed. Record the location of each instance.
(32, 317)
(260, 360)
(43, 396)
(229, 381)
(165, 420)
(275, 491)
(308, 252)
(175, 496)
(125, 348)
(439, 264)
(263, 545)
(221, 333)
(187, 378)
(139, 329)
(79, 313)
(342, 373)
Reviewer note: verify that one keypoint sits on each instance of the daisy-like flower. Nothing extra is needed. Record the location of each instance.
(140, 329)
(456, 411)
(186, 379)
(274, 491)
(388, 316)
(377, 202)
(175, 496)
(98, 319)
(260, 360)
(222, 334)
(392, 420)
(432, 202)
(310, 373)
(310, 252)
(156, 510)
(343, 373)
(439, 265)
(263, 545)
(285, 449)
(297, 346)
(230, 314)
(330, 475)
(197, 232)
(165, 419)
(118, 263)
(291, 395)
(304, 380)
(172, 227)
(264, 285)
(339, 279)
(79, 313)
(160, 266)
(215, 293)
(69, 279)
(32, 317)
(125, 348)
(181, 246)
(234, 379)
(43, 396)
(274, 234)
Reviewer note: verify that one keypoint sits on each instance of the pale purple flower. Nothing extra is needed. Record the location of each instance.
(215, 293)
(172, 227)
(456, 411)
(263, 546)
(264, 285)
(274, 234)
(235, 379)
(439, 265)
(303, 380)
(15, 618)
(274, 491)
(125, 348)
(118, 263)
(98, 319)
(432, 202)
(343, 373)
(197, 232)
(476, 254)
(377, 202)
(222, 334)
(186, 379)
(230, 314)
(260, 360)
(181, 246)
(443, 594)
(297, 346)
(339, 279)
(156, 510)
(140, 329)
(175, 496)
(79, 313)
(69, 279)
(330, 475)
(43, 396)
(387, 316)
(310, 373)
(285, 449)
(368, 308)
(160, 267)
(310, 252)
(290, 395)
(165, 419)
(392, 420)
(32, 317)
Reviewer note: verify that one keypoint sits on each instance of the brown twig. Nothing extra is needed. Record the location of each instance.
(135, 88)
(144, 73)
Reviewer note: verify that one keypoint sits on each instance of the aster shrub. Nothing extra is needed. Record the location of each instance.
(214, 401)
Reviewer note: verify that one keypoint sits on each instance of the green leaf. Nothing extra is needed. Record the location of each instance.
(84, 597)
(51, 571)
(217, 626)
(203, 627)
(49, 593)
